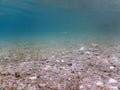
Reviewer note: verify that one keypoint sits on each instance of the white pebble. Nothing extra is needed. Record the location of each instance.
(112, 67)
(69, 78)
(81, 86)
(100, 84)
(87, 52)
(62, 60)
(33, 78)
(57, 60)
(112, 81)
(82, 48)
(79, 73)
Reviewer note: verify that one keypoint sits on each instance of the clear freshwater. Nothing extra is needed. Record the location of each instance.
(59, 20)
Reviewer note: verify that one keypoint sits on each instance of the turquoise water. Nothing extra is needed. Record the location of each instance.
(59, 20)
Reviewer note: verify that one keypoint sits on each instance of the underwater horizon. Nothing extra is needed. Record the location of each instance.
(59, 20)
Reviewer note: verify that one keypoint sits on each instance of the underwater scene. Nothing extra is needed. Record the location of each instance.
(59, 45)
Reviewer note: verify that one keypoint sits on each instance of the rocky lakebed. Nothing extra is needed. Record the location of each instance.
(87, 67)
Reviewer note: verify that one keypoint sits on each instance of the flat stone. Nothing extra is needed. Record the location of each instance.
(112, 81)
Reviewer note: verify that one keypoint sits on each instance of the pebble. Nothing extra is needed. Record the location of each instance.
(4, 72)
(114, 60)
(87, 52)
(105, 61)
(119, 86)
(112, 67)
(17, 74)
(81, 86)
(33, 78)
(70, 64)
(62, 60)
(100, 84)
(114, 88)
(47, 67)
(63, 53)
(94, 45)
(82, 48)
(6, 58)
(42, 85)
(112, 81)
(57, 60)
(69, 78)
(53, 56)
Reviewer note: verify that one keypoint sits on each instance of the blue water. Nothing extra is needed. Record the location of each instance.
(59, 19)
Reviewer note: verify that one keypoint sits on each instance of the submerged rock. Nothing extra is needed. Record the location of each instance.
(114, 60)
(82, 48)
(33, 78)
(112, 81)
(113, 88)
(94, 45)
(112, 67)
(100, 84)
(70, 64)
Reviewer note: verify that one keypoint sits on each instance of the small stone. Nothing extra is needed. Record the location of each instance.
(72, 71)
(31, 88)
(63, 53)
(3, 72)
(94, 45)
(87, 52)
(33, 78)
(17, 74)
(100, 84)
(114, 88)
(89, 85)
(119, 86)
(69, 78)
(81, 87)
(114, 60)
(112, 81)
(70, 64)
(112, 67)
(79, 73)
(42, 85)
(82, 48)
(57, 60)
(53, 56)
(62, 60)
(47, 67)
(105, 61)
(6, 58)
